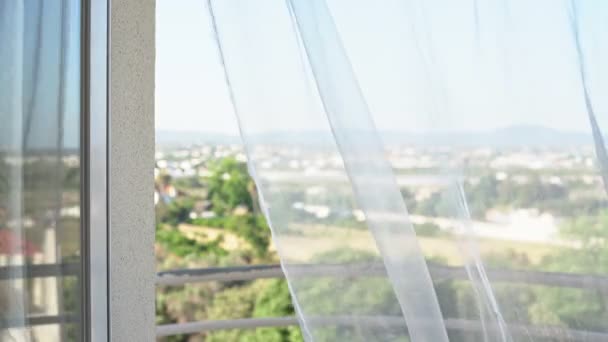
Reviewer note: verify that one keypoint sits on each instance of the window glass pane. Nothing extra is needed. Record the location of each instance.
(40, 225)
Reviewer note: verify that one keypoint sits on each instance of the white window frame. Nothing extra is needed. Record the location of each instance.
(118, 160)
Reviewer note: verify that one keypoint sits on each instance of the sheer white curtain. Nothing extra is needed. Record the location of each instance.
(11, 101)
(39, 139)
(481, 118)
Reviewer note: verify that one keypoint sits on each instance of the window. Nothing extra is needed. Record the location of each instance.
(41, 229)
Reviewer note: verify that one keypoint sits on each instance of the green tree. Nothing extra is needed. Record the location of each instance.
(591, 232)
(410, 200)
(482, 196)
(230, 186)
(177, 212)
(262, 298)
(577, 308)
(275, 301)
(177, 243)
(252, 228)
(437, 204)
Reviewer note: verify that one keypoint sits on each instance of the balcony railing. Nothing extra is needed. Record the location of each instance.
(439, 273)
(39, 271)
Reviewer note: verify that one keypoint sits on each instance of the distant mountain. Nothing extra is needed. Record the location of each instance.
(188, 138)
(538, 135)
(512, 136)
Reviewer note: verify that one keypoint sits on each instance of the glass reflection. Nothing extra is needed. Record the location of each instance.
(40, 226)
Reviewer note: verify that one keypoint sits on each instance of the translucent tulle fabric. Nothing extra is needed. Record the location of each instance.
(431, 170)
(39, 170)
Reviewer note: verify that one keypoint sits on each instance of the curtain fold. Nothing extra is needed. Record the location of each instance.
(331, 302)
(374, 185)
(586, 84)
(429, 169)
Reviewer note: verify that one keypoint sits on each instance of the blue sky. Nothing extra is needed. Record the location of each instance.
(190, 88)
(421, 64)
(17, 74)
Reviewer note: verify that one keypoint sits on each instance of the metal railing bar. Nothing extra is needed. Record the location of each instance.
(438, 272)
(38, 320)
(381, 322)
(39, 271)
(542, 331)
(238, 273)
(204, 326)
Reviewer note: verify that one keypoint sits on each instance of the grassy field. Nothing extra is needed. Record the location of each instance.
(322, 239)
(230, 241)
(304, 243)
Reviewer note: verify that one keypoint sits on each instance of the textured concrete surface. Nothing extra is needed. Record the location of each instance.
(132, 264)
